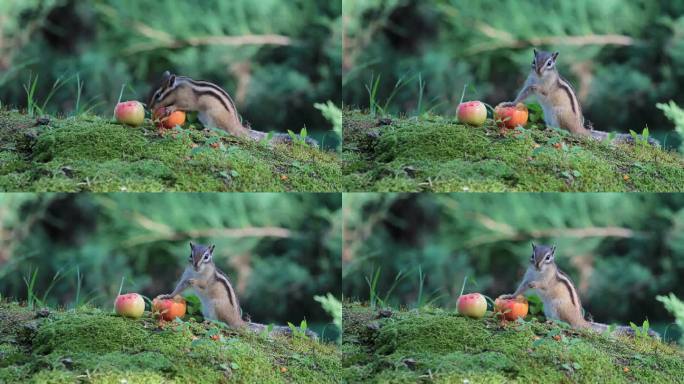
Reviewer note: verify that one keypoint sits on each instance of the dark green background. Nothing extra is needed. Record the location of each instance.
(144, 239)
(621, 250)
(114, 42)
(487, 45)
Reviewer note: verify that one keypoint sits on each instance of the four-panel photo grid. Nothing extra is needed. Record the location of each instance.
(341, 191)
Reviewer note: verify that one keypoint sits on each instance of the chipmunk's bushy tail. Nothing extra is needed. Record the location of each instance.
(279, 330)
(620, 138)
(619, 330)
(280, 138)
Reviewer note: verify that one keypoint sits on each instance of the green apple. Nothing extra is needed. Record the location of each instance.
(130, 112)
(472, 113)
(472, 305)
(130, 305)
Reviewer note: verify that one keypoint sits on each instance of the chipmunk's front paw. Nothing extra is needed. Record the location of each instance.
(196, 283)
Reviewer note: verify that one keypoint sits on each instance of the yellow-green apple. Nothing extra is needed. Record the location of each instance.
(472, 113)
(472, 305)
(130, 112)
(130, 305)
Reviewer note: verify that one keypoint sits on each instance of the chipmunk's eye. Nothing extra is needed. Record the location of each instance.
(549, 64)
(548, 257)
(207, 256)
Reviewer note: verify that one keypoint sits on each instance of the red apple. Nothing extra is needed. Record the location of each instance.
(168, 120)
(130, 112)
(511, 117)
(472, 113)
(511, 308)
(169, 309)
(472, 305)
(130, 305)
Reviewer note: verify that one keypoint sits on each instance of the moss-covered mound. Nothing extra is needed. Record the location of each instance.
(443, 347)
(438, 154)
(93, 346)
(89, 153)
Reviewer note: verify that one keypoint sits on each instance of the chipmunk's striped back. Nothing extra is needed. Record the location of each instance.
(214, 106)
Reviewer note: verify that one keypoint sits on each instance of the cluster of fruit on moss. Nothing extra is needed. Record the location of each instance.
(475, 113)
(133, 113)
(475, 305)
(133, 305)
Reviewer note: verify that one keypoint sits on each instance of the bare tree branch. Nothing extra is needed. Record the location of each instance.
(502, 39)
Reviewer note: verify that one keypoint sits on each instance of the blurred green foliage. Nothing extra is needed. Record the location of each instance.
(621, 250)
(277, 58)
(622, 56)
(279, 250)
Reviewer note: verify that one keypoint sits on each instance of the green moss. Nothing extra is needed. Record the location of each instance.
(438, 154)
(68, 346)
(411, 346)
(89, 153)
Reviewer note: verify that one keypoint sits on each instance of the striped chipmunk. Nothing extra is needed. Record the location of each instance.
(214, 106)
(558, 293)
(216, 293)
(558, 99)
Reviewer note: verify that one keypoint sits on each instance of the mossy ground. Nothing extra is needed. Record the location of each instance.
(439, 346)
(441, 155)
(90, 345)
(90, 153)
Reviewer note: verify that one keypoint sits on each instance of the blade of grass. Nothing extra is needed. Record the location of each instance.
(30, 283)
(118, 101)
(373, 285)
(58, 276)
(421, 282)
(397, 279)
(30, 90)
(59, 83)
(79, 281)
(421, 91)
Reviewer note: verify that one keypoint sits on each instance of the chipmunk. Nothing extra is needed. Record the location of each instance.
(216, 293)
(216, 108)
(558, 293)
(558, 99)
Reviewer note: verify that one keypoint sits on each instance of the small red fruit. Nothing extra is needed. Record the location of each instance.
(168, 120)
(511, 308)
(169, 309)
(511, 117)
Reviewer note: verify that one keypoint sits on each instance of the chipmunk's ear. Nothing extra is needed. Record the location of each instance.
(168, 79)
(211, 248)
(533, 246)
(553, 250)
(535, 51)
(555, 55)
(192, 246)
